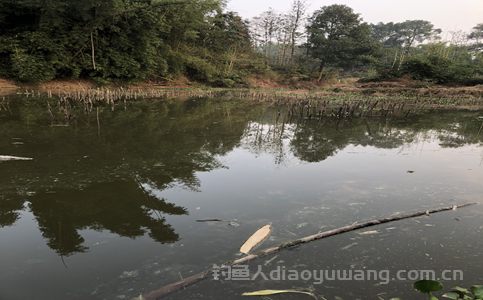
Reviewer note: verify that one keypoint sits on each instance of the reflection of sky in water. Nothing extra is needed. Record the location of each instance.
(356, 184)
(264, 181)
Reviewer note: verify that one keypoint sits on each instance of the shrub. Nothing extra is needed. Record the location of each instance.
(31, 68)
(228, 83)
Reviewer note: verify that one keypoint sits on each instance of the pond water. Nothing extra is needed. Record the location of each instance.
(107, 208)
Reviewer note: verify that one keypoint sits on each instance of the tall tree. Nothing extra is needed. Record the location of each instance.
(412, 31)
(227, 37)
(269, 23)
(477, 35)
(387, 34)
(282, 37)
(403, 34)
(256, 31)
(337, 36)
(297, 13)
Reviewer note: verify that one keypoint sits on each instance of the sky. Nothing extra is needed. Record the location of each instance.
(448, 15)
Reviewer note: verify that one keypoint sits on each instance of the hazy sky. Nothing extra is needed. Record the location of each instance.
(445, 14)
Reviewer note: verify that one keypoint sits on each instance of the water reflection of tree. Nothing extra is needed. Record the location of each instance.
(80, 179)
(314, 140)
(94, 177)
(269, 134)
(311, 140)
(10, 207)
(120, 207)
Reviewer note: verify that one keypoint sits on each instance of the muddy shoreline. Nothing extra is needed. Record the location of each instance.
(12, 88)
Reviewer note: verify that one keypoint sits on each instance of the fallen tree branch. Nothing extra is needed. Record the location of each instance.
(174, 287)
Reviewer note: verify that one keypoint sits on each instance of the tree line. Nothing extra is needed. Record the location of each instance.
(335, 39)
(123, 39)
(110, 40)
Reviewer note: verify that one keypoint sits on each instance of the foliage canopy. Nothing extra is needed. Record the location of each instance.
(336, 35)
(137, 39)
(133, 39)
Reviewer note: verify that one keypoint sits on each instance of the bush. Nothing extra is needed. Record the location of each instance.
(227, 83)
(198, 69)
(433, 68)
(31, 68)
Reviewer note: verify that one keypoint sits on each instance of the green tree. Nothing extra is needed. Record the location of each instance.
(338, 37)
(400, 45)
(477, 35)
(386, 33)
(42, 40)
(126, 39)
(412, 31)
(405, 33)
(270, 22)
(297, 13)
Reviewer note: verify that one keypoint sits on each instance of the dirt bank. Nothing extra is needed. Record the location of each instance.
(343, 86)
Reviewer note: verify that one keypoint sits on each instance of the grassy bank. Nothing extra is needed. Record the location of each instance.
(350, 86)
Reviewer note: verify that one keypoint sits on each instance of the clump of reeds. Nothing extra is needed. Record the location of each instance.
(301, 104)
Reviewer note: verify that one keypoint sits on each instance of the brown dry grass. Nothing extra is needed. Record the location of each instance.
(8, 87)
(345, 86)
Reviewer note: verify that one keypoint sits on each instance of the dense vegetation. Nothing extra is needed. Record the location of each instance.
(162, 39)
(129, 39)
(336, 41)
(432, 60)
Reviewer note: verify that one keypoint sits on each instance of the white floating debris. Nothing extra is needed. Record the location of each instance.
(369, 232)
(8, 157)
